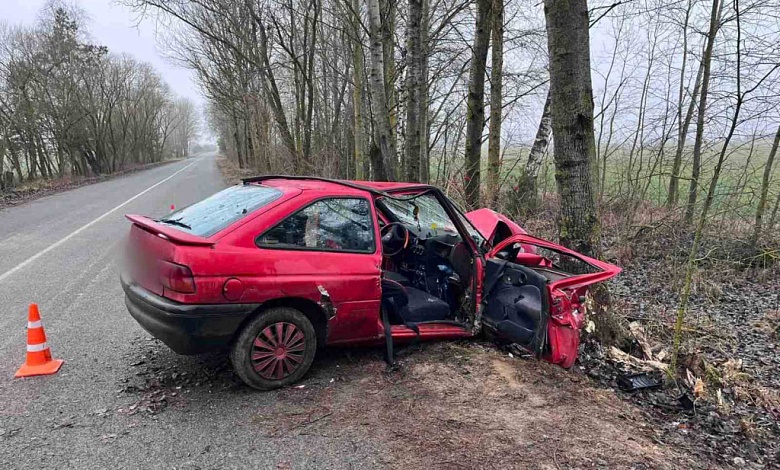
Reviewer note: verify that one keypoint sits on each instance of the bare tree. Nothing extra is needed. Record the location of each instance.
(475, 102)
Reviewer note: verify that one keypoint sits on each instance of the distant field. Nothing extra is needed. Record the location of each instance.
(645, 174)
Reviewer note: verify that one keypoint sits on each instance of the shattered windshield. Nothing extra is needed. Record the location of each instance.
(431, 216)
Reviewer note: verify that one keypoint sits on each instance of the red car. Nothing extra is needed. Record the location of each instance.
(279, 266)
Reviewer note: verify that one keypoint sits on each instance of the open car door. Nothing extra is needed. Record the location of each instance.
(536, 298)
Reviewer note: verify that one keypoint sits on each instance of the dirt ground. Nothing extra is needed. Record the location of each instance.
(450, 405)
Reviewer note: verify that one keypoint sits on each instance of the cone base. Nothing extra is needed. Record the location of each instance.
(48, 368)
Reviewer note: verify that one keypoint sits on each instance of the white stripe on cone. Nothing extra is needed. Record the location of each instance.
(37, 347)
(34, 324)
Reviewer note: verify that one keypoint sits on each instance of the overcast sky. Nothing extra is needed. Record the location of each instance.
(114, 26)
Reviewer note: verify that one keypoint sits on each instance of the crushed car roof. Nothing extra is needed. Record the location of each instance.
(317, 183)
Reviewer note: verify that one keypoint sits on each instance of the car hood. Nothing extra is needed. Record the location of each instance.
(486, 221)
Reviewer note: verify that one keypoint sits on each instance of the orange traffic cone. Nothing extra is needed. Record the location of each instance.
(39, 361)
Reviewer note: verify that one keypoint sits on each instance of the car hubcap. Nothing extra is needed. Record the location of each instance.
(278, 351)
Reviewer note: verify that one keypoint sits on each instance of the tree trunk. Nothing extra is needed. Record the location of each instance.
(425, 158)
(413, 89)
(571, 112)
(357, 94)
(693, 255)
(475, 117)
(526, 191)
(387, 14)
(572, 121)
(764, 191)
(674, 181)
(693, 189)
(385, 162)
(682, 125)
(496, 103)
(271, 90)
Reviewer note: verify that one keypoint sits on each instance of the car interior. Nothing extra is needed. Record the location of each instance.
(425, 261)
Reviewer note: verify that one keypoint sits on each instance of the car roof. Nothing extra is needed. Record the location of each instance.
(334, 185)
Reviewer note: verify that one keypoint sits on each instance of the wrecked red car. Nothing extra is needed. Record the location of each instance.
(279, 266)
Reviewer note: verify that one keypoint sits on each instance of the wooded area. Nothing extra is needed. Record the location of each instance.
(69, 107)
(409, 90)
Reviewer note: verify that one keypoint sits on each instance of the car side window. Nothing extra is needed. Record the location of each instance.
(334, 224)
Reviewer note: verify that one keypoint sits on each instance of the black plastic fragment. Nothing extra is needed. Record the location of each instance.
(633, 382)
(686, 401)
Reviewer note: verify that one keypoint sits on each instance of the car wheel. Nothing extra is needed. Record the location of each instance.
(274, 349)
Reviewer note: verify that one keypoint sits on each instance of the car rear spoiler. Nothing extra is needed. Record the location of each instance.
(167, 232)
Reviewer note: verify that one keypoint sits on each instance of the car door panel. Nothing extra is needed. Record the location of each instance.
(561, 312)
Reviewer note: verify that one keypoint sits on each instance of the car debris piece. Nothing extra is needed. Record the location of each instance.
(633, 382)
(686, 401)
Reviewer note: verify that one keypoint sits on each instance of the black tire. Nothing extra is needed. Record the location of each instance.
(244, 348)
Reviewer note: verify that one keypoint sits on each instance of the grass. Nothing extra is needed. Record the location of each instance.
(738, 188)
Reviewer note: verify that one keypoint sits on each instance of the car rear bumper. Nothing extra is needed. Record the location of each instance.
(185, 328)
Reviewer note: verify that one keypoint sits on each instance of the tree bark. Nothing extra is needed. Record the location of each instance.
(525, 192)
(414, 84)
(496, 102)
(571, 111)
(425, 158)
(385, 163)
(387, 12)
(475, 117)
(357, 94)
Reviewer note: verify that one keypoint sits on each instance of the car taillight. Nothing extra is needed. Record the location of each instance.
(176, 277)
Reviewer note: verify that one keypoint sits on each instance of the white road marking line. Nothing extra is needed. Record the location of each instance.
(86, 226)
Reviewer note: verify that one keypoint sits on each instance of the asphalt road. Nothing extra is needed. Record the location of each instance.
(122, 400)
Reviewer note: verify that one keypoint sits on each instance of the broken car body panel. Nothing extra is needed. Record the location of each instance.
(568, 275)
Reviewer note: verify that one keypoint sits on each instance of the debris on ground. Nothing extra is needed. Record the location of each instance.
(634, 382)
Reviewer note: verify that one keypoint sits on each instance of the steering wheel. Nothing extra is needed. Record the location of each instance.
(394, 235)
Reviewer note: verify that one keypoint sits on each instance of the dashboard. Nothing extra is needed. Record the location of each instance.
(426, 261)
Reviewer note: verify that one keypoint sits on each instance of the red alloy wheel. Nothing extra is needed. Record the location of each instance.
(278, 351)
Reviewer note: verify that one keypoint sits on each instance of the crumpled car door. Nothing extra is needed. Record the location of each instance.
(537, 299)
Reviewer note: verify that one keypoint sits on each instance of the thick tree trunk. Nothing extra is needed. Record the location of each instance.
(571, 111)
(693, 189)
(765, 190)
(475, 117)
(385, 162)
(496, 103)
(572, 121)
(414, 84)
